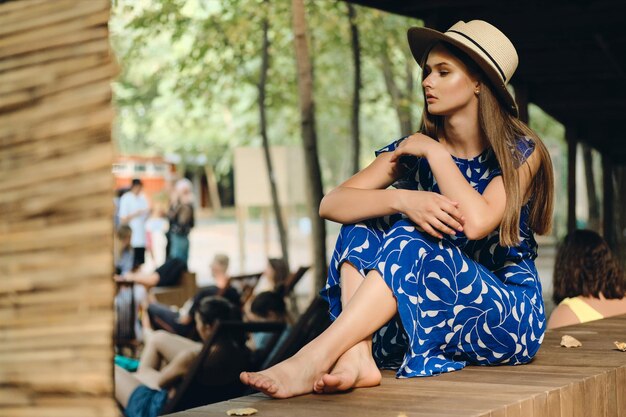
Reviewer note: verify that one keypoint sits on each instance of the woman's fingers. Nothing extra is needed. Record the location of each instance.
(439, 225)
(452, 208)
(429, 229)
(450, 221)
(395, 155)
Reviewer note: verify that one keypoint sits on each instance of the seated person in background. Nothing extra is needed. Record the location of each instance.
(273, 277)
(145, 392)
(588, 284)
(267, 306)
(166, 275)
(181, 321)
(124, 254)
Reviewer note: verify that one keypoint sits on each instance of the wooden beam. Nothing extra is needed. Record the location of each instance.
(572, 142)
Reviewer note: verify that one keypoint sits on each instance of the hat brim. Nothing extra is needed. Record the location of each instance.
(420, 41)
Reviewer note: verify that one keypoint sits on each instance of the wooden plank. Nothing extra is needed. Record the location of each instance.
(53, 54)
(88, 160)
(48, 77)
(14, 397)
(88, 127)
(66, 102)
(566, 397)
(68, 39)
(50, 259)
(42, 280)
(65, 234)
(540, 405)
(514, 410)
(72, 410)
(17, 6)
(620, 390)
(65, 297)
(578, 399)
(60, 17)
(88, 187)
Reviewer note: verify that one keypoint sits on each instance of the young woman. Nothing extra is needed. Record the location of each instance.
(438, 273)
(144, 393)
(182, 220)
(588, 283)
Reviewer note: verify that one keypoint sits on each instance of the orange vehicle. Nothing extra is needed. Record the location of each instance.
(154, 172)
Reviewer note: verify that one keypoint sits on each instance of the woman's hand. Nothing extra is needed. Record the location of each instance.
(433, 212)
(417, 144)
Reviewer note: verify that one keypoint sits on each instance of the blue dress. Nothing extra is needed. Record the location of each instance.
(459, 301)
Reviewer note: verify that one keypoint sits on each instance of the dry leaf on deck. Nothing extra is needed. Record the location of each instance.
(242, 411)
(570, 342)
(621, 346)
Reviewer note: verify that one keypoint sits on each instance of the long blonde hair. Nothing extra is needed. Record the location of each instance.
(502, 130)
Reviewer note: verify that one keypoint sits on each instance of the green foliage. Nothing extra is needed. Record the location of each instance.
(190, 70)
(553, 135)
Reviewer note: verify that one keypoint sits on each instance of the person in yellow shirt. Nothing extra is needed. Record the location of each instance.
(588, 282)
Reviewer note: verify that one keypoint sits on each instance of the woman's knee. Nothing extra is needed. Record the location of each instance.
(348, 267)
(159, 337)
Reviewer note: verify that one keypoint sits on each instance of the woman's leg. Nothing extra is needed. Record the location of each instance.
(125, 384)
(163, 345)
(355, 368)
(297, 375)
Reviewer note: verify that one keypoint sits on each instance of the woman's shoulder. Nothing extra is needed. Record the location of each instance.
(561, 316)
(524, 147)
(391, 146)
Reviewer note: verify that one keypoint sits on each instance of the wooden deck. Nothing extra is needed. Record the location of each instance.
(588, 382)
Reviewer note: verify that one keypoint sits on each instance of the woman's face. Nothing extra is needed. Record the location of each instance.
(204, 330)
(448, 81)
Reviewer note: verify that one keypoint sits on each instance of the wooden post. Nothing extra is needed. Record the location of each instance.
(56, 211)
(572, 142)
(608, 221)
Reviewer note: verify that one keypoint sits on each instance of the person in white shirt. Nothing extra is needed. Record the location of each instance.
(134, 210)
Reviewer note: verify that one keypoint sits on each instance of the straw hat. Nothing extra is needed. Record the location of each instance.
(483, 42)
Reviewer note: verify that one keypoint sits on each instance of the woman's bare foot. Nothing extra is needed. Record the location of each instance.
(354, 369)
(294, 376)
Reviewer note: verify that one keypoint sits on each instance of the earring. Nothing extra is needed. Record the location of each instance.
(477, 92)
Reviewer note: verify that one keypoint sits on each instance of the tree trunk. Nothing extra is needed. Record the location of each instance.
(282, 233)
(401, 100)
(309, 139)
(356, 97)
(592, 195)
(214, 194)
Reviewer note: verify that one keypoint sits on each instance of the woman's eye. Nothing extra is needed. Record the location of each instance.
(443, 73)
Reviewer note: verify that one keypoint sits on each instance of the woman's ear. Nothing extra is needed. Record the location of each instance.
(477, 87)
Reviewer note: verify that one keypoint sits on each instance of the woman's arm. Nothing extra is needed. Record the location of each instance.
(483, 213)
(364, 195)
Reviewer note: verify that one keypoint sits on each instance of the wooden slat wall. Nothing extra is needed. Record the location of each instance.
(56, 312)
